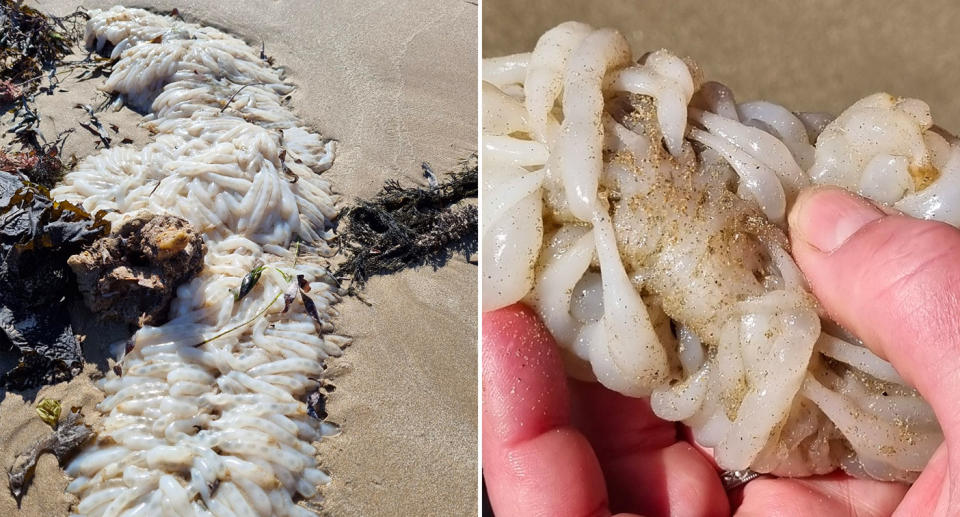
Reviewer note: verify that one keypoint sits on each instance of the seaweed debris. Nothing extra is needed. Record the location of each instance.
(49, 411)
(94, 126)
(317, 400)
(41, 165)
(405, 227)
(37, 235)
(32, 44)
(68, 436)
(295, 285)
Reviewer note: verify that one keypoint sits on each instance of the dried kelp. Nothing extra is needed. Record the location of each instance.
(37, 235)
(31, 43)
(317, 401)
(405, 227)
(69, 435)
(31, 46)
(94, 126)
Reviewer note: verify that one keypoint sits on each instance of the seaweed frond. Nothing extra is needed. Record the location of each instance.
(407, 227)
(32, 45)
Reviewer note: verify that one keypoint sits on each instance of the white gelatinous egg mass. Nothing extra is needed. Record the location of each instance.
(876, 147)
(641, 214)
(587, 302)
(203, 422)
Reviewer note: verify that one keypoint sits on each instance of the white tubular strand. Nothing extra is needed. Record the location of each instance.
(510, 249)
(717, 98)
(763, 149)
(787, 269)
(564, 264)
(581, 135)
(878, 442)
(756, 178)
(502, 114)
(619, 138)
(517, 151)
(876, 125)
(774, 371)
(814, 123)
(629, 357)
(544, 80)
(859, 357)
(941, 200)
(505, 71)
(885, 178)
(684, 399)
(667, 79)
(501, 197)
(784, 125)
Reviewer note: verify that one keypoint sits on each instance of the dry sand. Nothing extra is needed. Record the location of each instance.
(819, 55)
(395, 83)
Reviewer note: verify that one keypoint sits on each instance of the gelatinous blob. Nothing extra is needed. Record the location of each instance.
(642, 215)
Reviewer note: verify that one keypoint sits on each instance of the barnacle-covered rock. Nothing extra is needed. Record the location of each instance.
(132, 274)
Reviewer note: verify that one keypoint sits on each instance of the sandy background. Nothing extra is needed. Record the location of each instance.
(395, 83)
(818, 55)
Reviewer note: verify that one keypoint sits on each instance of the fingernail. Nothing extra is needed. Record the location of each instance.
(826, 217)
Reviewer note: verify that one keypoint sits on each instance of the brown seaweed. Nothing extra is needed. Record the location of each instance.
(406, 227)
(32, 43)
(310, 307)
(31, 46)
(69, 435)
(37, 235)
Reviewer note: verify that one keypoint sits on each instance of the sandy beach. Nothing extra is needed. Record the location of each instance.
(395, 84)
(818, 56)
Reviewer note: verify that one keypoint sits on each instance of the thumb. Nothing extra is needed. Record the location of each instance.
(893, 281)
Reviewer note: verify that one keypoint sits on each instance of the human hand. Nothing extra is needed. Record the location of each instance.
(553, 446)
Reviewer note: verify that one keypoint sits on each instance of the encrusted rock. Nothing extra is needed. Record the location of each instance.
(132, 274)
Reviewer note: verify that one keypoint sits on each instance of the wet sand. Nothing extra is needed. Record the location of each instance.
(395, 84)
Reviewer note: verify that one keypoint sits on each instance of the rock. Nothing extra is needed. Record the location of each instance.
(132, 274)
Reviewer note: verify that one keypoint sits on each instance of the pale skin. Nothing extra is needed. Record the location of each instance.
(558, 447)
